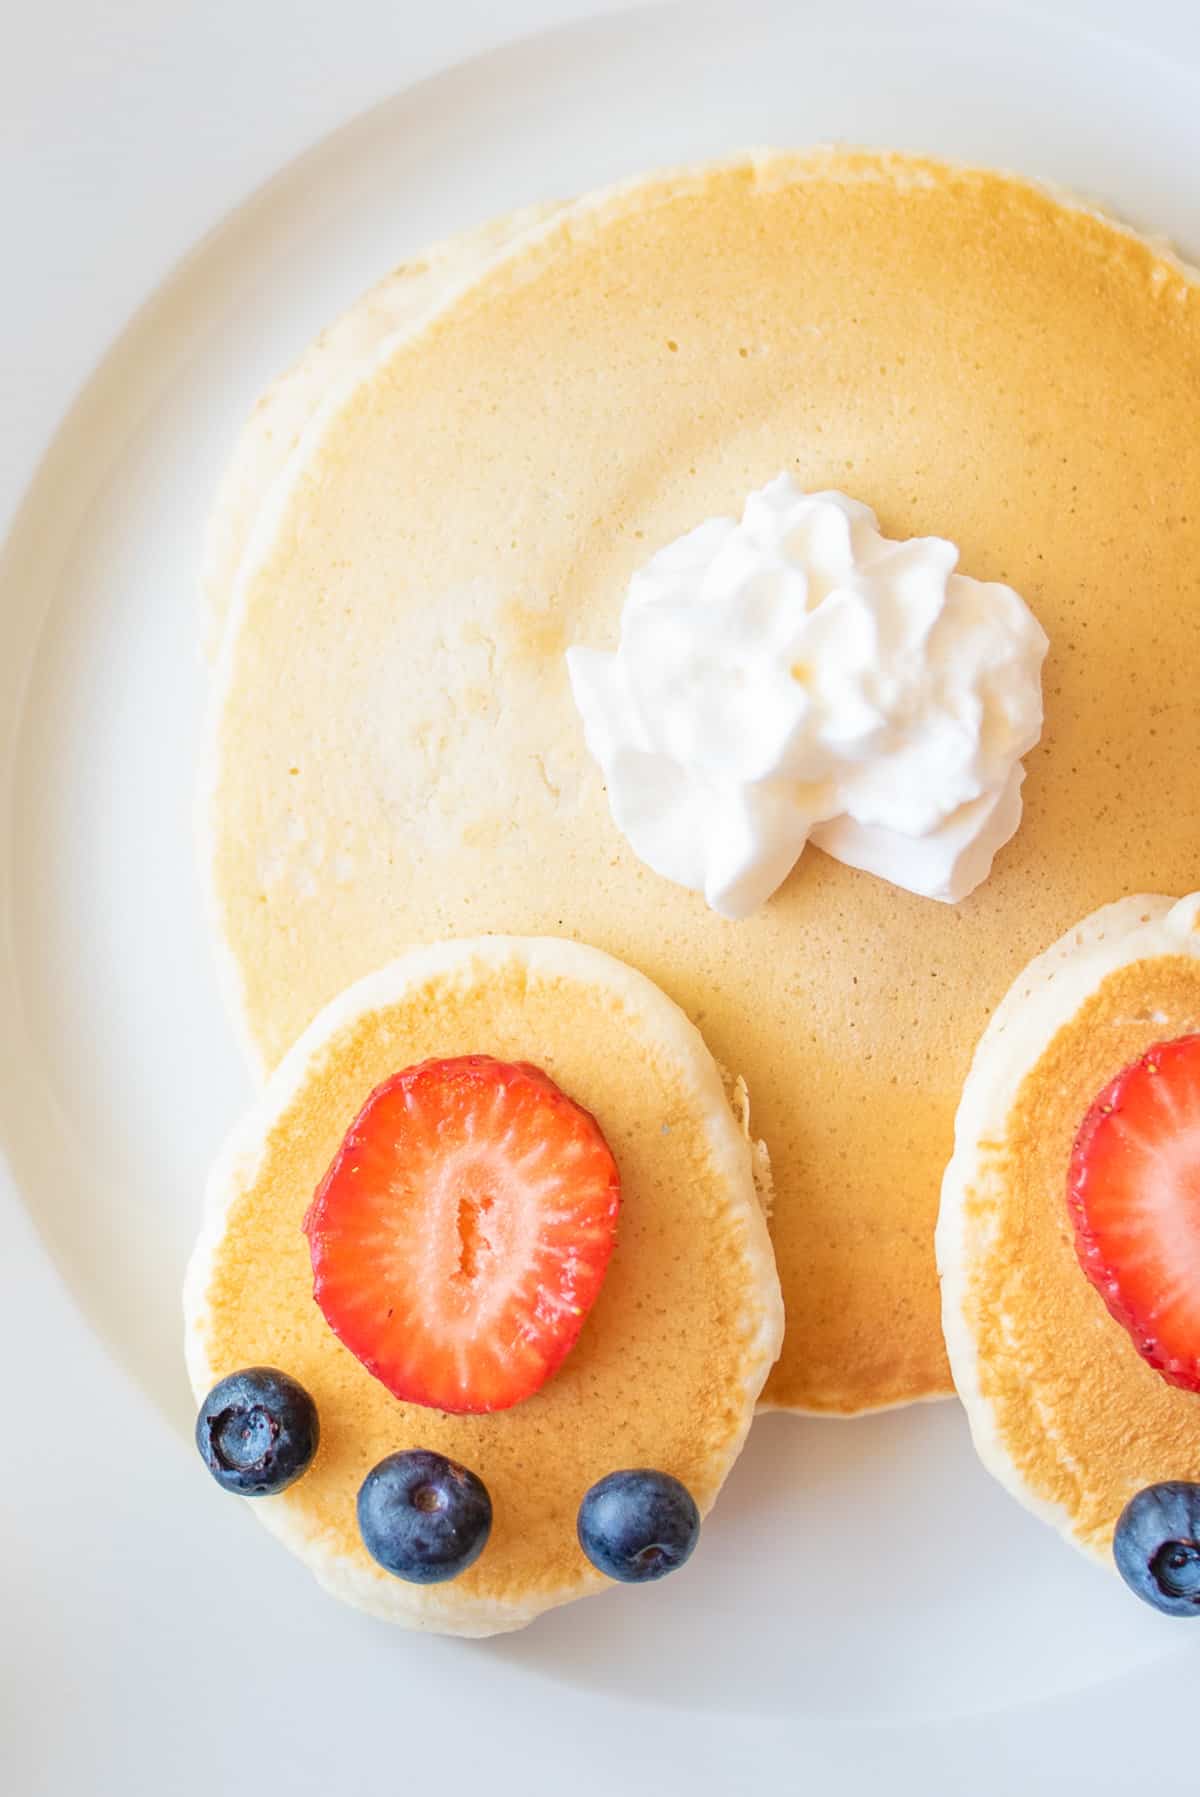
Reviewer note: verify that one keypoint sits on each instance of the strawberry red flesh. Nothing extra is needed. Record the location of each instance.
(462, 1233)
(1134, 1194)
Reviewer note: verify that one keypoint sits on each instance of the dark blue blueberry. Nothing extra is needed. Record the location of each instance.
(257, 1431)
(423, 1517)
(638, 1525)
(1157, 1547)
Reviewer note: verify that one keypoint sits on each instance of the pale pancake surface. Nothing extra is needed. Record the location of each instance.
(396, 756)
(400, 302)
(1063, 1409)
(673, 1355)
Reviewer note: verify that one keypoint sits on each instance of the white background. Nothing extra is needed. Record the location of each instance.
(128, 133)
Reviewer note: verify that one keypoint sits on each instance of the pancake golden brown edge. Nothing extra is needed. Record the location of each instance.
(672, 1356)
(395, 755)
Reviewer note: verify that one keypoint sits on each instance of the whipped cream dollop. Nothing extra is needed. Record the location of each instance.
(798, 677)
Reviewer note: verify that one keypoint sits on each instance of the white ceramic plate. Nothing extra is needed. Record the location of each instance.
(864, 1572)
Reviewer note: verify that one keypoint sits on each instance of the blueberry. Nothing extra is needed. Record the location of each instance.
(423, 1517)
(638, 1525)
(257, 1431)
(1157, 1547)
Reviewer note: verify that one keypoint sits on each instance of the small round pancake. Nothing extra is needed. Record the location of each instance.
(395, 755)
(398, 303)
(673, 1354)
(1063, 1409)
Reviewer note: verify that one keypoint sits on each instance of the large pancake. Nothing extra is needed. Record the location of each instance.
(671, 1358)
(1063, 1409)
(395, 754)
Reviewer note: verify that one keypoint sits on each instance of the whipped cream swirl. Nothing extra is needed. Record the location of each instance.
(797, 676)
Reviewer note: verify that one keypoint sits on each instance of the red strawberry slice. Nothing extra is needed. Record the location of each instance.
(462, 1233)
(1134, 1195)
